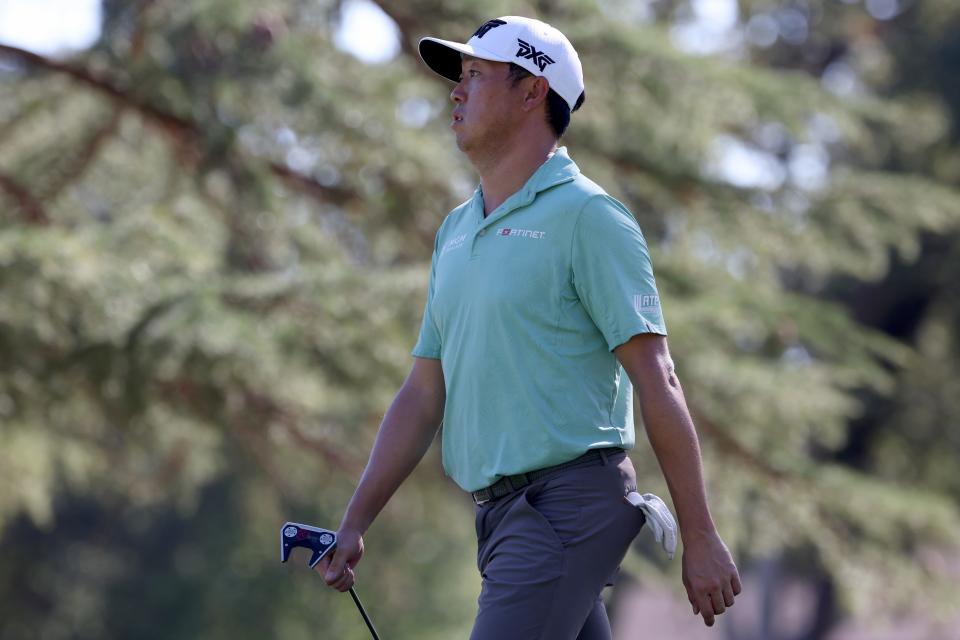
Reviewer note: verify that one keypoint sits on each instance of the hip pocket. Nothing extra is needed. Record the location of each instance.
(524, 548)
(561, 507)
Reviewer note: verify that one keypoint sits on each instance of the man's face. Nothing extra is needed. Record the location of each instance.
(487, 107)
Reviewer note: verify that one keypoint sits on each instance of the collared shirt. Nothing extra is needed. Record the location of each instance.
(524, 309)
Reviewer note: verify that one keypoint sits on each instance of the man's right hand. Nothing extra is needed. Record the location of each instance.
(337, 571)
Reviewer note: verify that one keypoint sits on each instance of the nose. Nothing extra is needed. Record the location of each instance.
(458, 95)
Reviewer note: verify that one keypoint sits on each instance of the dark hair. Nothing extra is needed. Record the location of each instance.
(558, 111)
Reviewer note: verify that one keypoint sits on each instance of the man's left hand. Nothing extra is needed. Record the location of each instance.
(710, 577)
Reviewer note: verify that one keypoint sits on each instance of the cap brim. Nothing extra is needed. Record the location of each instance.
(444, 57)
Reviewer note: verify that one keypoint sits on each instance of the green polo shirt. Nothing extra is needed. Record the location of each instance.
(524, 309)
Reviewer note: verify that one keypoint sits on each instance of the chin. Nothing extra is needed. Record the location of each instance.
(462, 143)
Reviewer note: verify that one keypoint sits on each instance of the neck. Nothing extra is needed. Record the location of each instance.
(502, 174)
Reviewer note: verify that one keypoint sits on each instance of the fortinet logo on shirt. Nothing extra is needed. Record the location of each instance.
(521, 233)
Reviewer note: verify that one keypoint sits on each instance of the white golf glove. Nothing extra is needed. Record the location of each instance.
(659, 518)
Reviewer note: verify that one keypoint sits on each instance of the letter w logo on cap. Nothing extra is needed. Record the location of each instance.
(539, 58)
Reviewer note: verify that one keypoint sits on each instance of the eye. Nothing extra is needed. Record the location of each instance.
(473, 73)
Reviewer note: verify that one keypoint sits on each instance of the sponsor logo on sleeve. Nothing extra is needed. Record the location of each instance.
(646, 304)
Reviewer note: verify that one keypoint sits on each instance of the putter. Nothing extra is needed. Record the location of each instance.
(320, 542)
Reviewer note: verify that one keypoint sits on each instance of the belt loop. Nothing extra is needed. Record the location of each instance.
(603, 456)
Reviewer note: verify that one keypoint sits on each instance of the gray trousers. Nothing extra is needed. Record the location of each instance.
(546, 551)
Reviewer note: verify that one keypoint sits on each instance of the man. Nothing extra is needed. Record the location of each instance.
(541, 303)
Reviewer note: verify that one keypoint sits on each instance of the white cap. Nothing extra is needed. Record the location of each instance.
(531, 44)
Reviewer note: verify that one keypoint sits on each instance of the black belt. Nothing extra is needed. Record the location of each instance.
(509, 484)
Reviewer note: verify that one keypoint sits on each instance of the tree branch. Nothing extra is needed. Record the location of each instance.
(32, 209)
(181, 129)
(84, 157)
(101, 85)
(140, 31)
(267, 411)
(734, 449)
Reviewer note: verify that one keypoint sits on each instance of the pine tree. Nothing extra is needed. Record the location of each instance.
(214, 244)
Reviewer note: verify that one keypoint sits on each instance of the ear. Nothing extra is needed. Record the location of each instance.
(535, 92)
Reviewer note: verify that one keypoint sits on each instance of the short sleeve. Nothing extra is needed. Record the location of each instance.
(428, 342)
(613, 274)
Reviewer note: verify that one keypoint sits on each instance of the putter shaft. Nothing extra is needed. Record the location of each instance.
(363, 613)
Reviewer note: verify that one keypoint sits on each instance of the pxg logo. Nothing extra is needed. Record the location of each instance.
(539, 58)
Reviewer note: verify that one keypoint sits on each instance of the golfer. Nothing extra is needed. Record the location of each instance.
(541, 309)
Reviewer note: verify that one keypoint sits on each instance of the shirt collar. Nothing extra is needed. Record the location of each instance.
(557, 169)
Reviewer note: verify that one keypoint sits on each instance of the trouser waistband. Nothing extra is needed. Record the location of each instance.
(509, 484)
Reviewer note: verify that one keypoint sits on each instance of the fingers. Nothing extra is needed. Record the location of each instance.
(728, 596)
(330, 568)
(344, 581)
(335, 569)
(322, 566)
(706, 610)
(710, 577)
(716, 600)
(711, 602)
(338, 575)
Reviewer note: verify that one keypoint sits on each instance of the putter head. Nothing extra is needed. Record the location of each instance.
(294, 534)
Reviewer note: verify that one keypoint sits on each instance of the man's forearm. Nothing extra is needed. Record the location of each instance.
(406, 432)
(673, 437)
(709, 574)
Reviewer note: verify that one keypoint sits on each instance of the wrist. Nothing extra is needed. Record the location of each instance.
(695, 534)
(354, 523)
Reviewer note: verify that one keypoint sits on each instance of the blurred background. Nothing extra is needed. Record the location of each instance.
(216, 220)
